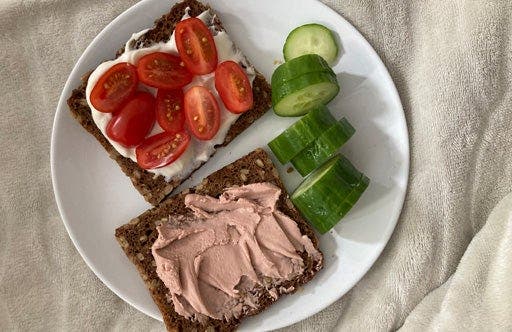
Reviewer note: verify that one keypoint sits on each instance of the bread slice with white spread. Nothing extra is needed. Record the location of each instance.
(156, 184)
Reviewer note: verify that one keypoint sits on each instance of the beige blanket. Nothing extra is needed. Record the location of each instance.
(448, 265)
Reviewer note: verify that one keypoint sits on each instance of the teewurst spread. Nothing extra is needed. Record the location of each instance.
(214, 260)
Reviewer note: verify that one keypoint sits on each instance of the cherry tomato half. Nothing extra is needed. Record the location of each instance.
(114, 88)
(233, 87)
(134, 121)
(163, 71)
(169, 110)
(196, 46)
(202, 113)
(161, 149)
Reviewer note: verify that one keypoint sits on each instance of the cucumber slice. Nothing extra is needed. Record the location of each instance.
(311, 38)
(318, 151)
(304, 93)
(327, 194)
(305, 64)
(291, 141)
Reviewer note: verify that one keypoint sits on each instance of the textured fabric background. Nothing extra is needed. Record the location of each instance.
(448, 265)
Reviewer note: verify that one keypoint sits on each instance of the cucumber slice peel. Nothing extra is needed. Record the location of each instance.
(304, 64)
(304, 93)
(328, 194)
(318, 151)
(311, 38)
(304, 131)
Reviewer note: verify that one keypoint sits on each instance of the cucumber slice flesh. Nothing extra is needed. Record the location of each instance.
(318, 151)
(308, 63)
(311, 38)
(304, 131)
(302, 94)
(328, 194)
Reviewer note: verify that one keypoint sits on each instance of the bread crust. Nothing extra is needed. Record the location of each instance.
(154, 188)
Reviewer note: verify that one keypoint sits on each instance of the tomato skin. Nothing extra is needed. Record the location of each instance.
(134, 121)
(162, 149)
(170, 112)
(163, 71)
(233, 87)
(114, 88)
(202, 113)
(196, 46)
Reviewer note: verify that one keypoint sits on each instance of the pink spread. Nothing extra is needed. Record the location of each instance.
(212, 261)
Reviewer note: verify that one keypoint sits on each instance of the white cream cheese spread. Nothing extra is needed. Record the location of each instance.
(198, 151)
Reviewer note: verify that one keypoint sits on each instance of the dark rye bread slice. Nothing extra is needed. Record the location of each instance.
(155, 188)
(137, 237)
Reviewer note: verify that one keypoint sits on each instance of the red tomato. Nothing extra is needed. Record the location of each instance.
(169, 110)
(196, 46)
(202, 113)
(163, 71)
(233, 87)
(114, 88)
(134, 121)
(161, 149)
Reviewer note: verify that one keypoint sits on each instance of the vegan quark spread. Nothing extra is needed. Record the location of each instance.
(214, 259)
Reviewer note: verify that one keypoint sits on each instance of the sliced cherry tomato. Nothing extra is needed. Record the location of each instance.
(114, 88)
(161, 149)
(169, 110)
(163, 71)
(134, 121)
(233, 87)
(202, 112)
(196, 46)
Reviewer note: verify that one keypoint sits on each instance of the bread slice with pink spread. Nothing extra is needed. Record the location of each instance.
(223, 250)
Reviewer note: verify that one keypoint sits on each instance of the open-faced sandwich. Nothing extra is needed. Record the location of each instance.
(203, 88)
(223, 250)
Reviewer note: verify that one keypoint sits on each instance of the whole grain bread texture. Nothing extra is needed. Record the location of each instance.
(155, 188)
(137, 237)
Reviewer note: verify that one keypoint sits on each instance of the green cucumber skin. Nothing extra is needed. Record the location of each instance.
(305, 64)
(295, 138)
(299, 34)
(283, 90)
(287, 92)
(331, 194)
(321, 149)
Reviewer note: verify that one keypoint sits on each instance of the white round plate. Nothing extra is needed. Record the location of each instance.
(94, 197)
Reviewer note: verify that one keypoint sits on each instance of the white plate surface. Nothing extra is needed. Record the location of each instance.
(94, 197)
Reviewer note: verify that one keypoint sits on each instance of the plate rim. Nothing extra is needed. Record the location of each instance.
(379, 247)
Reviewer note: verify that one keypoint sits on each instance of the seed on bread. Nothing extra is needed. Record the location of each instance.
(259, 163)
(243, 177)
(122, 241)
